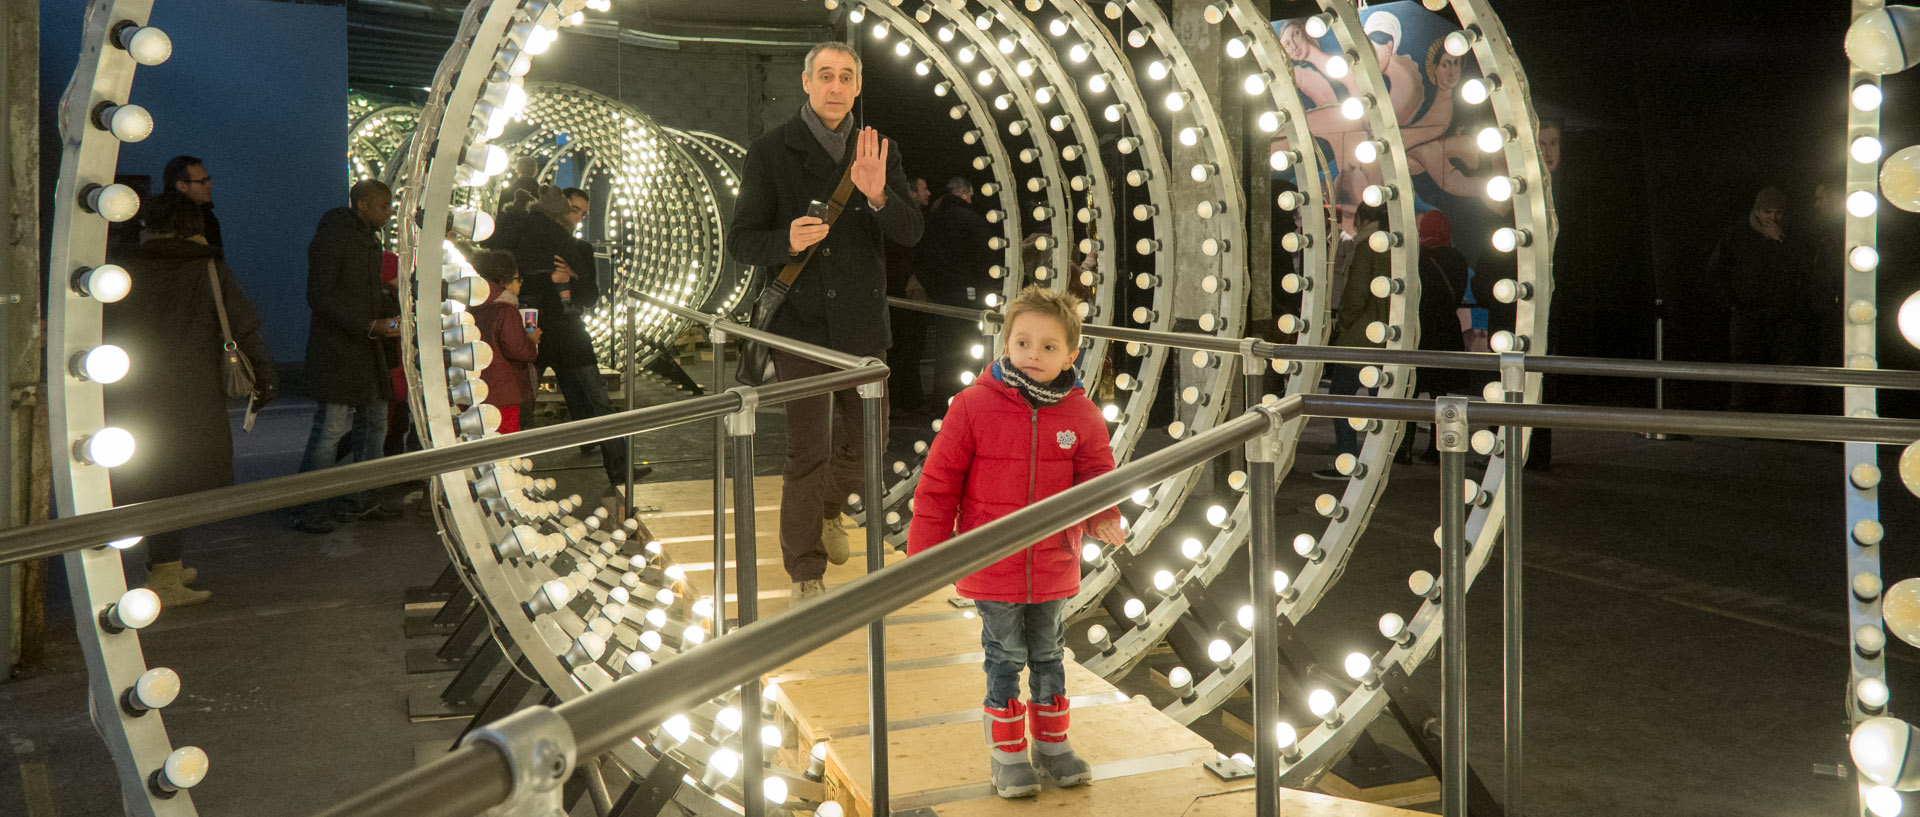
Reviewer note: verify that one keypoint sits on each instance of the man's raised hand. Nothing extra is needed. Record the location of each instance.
(870, 167)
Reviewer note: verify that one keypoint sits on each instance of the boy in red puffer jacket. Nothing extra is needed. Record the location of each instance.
(1022, 432)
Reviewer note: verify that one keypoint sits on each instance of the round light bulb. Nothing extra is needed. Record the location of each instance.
(136, 608)
(1090, 552)
(1392, 625)
(1320, 702)
(1337, 67)
(1865, 150)
(1866, 97)
(113, 202)
(156, 688)
(105, 363)
(147, 45)
(770, 735)
(1134, 608)
(1456, 44)
(1192, 549)
(1218, 651)
(1254, 84)
(1162, 580)
(1473, 91)
(1353, 108)
(1863, 258)
(129, 123)
(1245, 617)
(1882, 801)
(1500, 188)
(109, 447)
(1358, 665)
(185, 767)
(775, 789)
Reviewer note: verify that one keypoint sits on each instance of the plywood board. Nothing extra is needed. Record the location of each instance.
(905, 642)
(953, 757)
(823, 707)
(1160, 794)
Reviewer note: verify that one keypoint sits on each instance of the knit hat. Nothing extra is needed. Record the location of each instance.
(1435, 230)
(1770, 198)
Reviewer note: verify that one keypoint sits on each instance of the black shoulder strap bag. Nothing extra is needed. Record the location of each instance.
(756, 360)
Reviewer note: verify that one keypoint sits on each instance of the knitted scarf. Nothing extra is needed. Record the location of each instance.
(1040, 395)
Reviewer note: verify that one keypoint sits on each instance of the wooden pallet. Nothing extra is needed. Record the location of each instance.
(1143, 761)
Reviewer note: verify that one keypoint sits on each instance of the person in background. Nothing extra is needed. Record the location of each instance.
(909, 327)
(187, 175)
(952, 262)
(1769, 290)
(347, 370)
(1358, 309)
(173, 397)
(509, 378)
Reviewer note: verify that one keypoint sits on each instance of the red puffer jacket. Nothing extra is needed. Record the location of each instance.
(996, 454)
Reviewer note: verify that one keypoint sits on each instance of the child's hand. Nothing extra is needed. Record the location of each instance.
(1108, 530)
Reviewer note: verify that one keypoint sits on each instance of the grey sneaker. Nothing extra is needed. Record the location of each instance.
(834, 539)
(809, 589)
(1058, 762)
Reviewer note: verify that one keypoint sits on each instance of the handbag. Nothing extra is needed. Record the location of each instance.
(236, 371)
(756, 360)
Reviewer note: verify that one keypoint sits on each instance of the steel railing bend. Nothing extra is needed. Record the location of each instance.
(473, 779)
(1480, 361)
(175, 513)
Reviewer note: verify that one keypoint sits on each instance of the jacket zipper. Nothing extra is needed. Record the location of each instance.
(1033, 476)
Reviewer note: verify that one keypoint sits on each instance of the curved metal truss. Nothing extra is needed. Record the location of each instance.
(1046, 86)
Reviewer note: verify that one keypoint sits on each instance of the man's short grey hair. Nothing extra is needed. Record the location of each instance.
(959, 186)
(859, 69)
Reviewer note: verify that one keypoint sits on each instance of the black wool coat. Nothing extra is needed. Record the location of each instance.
(840, 299)
(173, 399)
(344, 291)
(534, 239)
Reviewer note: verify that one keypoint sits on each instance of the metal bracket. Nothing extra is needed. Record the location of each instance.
(741, 423)
(1250, 363)
(1450, 424)
(1266, 447)
(539, 748)
(874, 390)
(716, 337)
(1513, 372)
(1228, 769)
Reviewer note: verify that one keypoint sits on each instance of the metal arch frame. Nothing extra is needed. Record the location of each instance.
(979, 110)
(724, 195)
(1059, 220)
(1100, 198)
(75, 408)
(1153, 158)
(1860, 314)
(388, 161)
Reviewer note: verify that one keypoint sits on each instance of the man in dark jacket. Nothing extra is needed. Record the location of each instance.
(953, 260)
(188, 175)
(1769, 289)
(839, 300)
(346, 368)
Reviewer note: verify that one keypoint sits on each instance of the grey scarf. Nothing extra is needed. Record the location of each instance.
(833, 140)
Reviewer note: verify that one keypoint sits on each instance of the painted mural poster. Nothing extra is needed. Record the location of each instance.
(1429, 94)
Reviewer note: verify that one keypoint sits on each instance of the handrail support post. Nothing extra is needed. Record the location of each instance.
(746, 554)
(1262, 454)
(539, 749)
(1450, 432)
(717, 340)
(1513, 368)
(871, 403)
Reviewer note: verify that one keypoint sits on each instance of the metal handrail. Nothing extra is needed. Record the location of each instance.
(1815, 427)
(475, 778)
(175, 513)
(1479, 361)
(838, 360)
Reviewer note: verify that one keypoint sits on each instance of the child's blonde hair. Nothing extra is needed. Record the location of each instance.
(1060, 306)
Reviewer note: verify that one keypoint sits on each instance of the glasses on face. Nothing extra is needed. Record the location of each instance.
(201, 180)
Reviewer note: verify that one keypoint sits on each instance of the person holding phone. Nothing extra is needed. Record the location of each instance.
(839, 299)
(515, 339)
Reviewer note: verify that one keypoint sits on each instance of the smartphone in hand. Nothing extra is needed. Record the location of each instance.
(817, 209)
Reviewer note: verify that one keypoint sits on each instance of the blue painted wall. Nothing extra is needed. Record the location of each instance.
(258, 90)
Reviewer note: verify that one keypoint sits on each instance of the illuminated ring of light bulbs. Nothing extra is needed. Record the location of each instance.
(721, 160)
(1867, 698)
(377, 136)
(124, 694)
(585, 599)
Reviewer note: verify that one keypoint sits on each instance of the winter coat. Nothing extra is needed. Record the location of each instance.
(840, 299)
(173, 398)
(1764, 279)
(996, 454)
(1358, 306)
(953, 254)
(344, 364)
(535, 238)
(509, 377)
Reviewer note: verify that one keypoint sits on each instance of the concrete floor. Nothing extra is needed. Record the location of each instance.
(1686, 644)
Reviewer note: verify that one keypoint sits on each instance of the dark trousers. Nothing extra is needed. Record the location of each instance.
(586, 394)
(1774, 339)
(1343, 378)
(825, 449)
(909, 346)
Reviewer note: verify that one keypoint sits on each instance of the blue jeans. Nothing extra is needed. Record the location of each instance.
(1344, 378)
(1015, 634)
(332, 423)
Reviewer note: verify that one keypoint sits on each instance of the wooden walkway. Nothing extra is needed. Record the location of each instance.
(1143, 761)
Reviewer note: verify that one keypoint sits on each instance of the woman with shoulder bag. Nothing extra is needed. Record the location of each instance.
(176, 328)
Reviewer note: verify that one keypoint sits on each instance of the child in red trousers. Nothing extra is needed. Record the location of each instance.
(509, 377)
(1022, 432)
